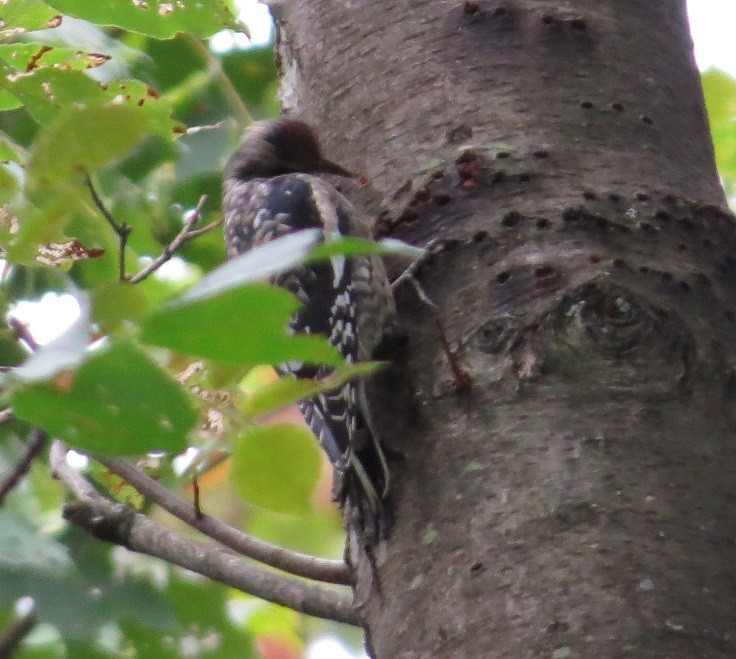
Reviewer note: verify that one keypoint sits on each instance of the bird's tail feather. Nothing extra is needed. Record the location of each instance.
(369, 509)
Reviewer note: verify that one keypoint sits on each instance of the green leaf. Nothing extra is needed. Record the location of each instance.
(361, 246)
(11, 352)
(86, 592)
(19, 16)
(23, 546)
(282, 254)
(288, 390)
(41, 224)
(84, 138)
(8, 102)
(157, 110)
(8, 181)
(245, 325)
(119, 403)
(115, 302)
(277, 467)
(155, 18)
(228, 292)
(48, 91)
(27, 56)
(320, 533)
(45, 92)
(720, 99)
(201, 608)
(257, 264)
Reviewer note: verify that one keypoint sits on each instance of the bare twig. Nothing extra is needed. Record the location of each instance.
(36, 443)
(22, 333)
(304, 565)
(124, 230)
(187, 232)
(195, 499)
(38, 438)
(225, 123)
(14, 633)
(462, 379)
(121, 525)
(61, 469)
(101, 206)
(215, 68)
(410, 275)
(194, 233)
(120, 228)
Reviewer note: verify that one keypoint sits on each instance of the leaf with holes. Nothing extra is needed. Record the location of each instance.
(31, 55)
(47, 92)
(19, 16)
(162, 20)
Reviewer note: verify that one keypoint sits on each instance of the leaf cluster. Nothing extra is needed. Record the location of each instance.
(127, 98)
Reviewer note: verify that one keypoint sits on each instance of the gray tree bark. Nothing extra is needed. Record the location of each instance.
(577, 500)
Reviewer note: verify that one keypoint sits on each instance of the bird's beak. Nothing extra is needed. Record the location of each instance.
(329, 167)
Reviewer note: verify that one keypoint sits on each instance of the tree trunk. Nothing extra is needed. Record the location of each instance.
(577, 499)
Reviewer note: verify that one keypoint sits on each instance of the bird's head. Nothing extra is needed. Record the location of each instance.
(280, 146)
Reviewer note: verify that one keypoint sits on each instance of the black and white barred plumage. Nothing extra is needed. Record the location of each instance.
(270, 191)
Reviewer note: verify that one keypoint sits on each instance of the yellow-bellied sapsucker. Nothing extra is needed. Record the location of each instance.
(270, 189)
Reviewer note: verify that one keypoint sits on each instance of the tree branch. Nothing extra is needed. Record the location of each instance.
(303, 565)
(120, 524)
(36, 443)
(38, 438)
(122, 229)
(187, 233)
(15, 632)
(21, 332)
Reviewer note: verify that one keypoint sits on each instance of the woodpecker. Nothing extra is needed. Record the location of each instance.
(271, 189)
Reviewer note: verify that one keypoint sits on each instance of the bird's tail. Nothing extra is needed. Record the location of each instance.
(364, 493)
(362, 479)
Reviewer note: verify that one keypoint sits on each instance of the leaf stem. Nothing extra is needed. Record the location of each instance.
(215, 68)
